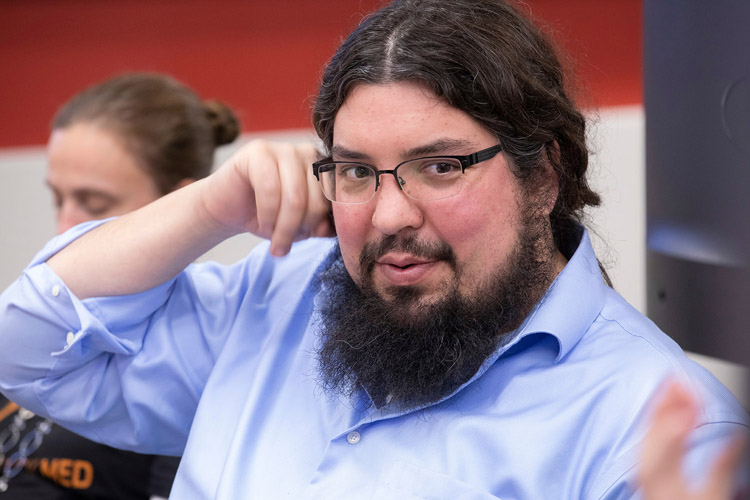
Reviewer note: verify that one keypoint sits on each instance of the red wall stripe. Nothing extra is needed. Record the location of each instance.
(263, 57)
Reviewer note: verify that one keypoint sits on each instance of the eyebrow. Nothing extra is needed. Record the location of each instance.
(438, 147)
(92, 193)
(80, 192)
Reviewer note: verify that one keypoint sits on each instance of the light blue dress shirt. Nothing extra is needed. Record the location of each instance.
(219, 363)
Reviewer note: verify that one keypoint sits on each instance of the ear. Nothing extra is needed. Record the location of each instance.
(549, 179)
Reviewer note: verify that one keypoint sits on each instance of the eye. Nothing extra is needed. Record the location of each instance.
(439, 168)
(353, 171)
(95, 204)
(442, 168)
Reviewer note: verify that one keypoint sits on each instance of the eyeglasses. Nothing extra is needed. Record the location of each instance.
(425, 179)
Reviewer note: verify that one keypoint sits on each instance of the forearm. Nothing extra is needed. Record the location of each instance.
(265, 188)
(140, 250)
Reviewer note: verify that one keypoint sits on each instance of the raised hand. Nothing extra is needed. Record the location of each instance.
(268, 189)
(664, 450)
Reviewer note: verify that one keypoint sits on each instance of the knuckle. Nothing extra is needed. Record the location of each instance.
(308, 152)
(258, 145)
(297, 199)
(267, 186)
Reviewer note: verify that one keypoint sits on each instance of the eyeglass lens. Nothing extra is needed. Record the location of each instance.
(420, 179)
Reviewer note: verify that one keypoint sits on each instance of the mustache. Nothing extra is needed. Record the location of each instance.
(410, 244)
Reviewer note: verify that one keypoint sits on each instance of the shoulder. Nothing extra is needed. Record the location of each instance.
(631, 350)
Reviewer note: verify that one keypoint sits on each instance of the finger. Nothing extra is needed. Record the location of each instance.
(720, 479)
(325, 227)
(294, 200)
(317, 220)
(262, 168)
(664, 445)
(672, 421)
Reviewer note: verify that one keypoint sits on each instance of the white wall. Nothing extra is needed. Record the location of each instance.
(26, 213)
(616, 136)
(617, 172)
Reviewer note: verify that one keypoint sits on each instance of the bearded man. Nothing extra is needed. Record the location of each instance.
(456, 339)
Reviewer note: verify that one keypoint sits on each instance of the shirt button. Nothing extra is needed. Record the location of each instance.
(55, 291)
(353, 437)
(69, 338)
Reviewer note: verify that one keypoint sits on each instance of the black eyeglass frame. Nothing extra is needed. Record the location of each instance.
(465, 160)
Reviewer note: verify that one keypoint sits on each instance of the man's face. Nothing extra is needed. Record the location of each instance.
(425, 291)
(384, 125)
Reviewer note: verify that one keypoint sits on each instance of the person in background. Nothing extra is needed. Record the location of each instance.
(115, 147)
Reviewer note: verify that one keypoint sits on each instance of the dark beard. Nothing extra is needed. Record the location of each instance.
(408, 354)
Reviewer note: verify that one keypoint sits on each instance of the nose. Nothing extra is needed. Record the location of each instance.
(394, 210)
(68, 215)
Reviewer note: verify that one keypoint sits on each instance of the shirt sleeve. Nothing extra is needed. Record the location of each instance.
(75, 359)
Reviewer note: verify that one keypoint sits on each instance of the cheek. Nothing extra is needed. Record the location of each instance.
(134, 196)
(468, 234)
(137, 199)
(352, 227)
(481, 231)
(464, 223)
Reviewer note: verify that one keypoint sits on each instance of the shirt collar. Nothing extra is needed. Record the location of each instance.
(571, 304)
(565, 312)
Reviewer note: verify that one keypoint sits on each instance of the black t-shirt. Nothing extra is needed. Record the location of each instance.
(68, 466)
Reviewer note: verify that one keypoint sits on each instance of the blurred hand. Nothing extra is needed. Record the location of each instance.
(665, 447)
(268, 189)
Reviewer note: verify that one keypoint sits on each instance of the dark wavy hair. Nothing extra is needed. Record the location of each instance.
(486, 59)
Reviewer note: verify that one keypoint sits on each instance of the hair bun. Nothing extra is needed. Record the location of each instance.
(223, 121)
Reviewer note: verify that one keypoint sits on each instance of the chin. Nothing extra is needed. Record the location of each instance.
(416, 296)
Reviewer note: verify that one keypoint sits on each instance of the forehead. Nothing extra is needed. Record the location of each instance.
(379, 119)
(84, 153)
